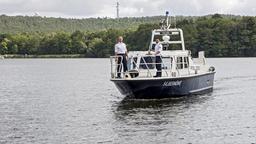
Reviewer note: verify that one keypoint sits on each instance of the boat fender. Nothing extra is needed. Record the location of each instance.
(212, 69)
(132, 74)
(127, 76)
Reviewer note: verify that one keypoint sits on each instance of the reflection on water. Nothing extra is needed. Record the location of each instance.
(134, 107)
(185, 102)
(138, 118)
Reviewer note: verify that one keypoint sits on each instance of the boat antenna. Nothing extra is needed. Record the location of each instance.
(165, 22)
(167, 19)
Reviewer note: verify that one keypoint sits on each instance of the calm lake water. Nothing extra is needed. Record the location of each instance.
(60, 101)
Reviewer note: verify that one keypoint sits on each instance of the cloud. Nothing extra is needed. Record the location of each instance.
(102, 8)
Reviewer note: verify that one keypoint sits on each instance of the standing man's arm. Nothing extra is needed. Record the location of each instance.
(126, 51)
(159, 50)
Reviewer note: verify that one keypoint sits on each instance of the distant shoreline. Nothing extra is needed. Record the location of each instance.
(17, 56)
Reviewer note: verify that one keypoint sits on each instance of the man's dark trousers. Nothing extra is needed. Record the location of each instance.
(121, 59)
(158, 66)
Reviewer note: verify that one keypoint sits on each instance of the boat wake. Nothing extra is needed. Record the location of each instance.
(252, 77)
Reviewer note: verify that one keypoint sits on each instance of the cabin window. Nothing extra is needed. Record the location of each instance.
(167, 62)
(182, 62)
(186, 62)
(147, 62)
(179, 62)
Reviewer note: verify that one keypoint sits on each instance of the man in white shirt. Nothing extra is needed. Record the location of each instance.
(158, 49)
(121, 52)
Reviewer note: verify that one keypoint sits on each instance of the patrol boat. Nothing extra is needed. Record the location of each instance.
(182, 75)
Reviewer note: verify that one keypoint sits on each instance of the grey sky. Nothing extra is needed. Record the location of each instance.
(103, 8)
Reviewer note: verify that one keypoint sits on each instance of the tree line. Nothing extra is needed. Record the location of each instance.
(217, 35)
(20, 24)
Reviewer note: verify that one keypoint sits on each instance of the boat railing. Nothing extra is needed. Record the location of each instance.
(143, 68)
(116, 68)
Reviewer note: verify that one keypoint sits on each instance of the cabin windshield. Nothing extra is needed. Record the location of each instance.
(147, 62)
(132, 63)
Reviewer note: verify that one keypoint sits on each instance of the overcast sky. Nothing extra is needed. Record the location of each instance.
(128, 8)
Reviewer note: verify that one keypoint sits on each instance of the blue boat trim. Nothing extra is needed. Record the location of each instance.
(162, 78)
(202, 89)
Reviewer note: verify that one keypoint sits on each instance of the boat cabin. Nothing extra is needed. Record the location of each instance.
(176, 60)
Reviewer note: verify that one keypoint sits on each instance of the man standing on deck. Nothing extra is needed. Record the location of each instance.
(158, 61)
(121, 53)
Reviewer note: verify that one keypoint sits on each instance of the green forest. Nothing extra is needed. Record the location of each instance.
(217, 35)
